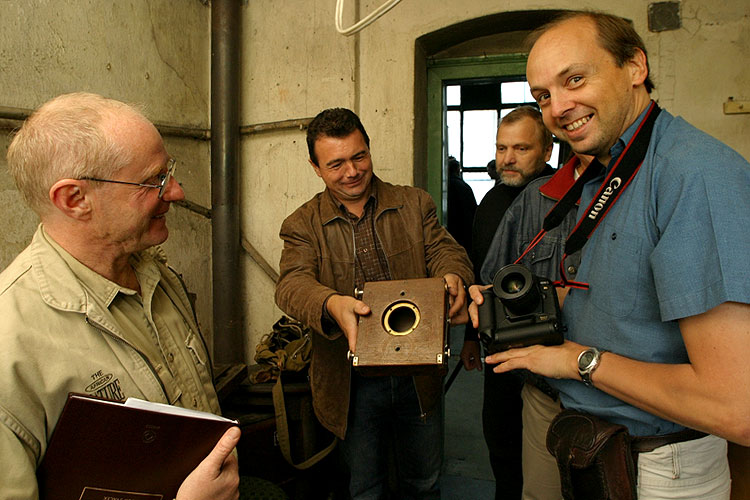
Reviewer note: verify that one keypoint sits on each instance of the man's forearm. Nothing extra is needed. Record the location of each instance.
(675, 392)
(711, 393)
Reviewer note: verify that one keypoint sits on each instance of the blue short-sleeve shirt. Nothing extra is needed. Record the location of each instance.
(675, 244)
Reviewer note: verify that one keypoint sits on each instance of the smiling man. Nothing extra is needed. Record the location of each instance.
(362, 229)
(661, 328)
(90, 306)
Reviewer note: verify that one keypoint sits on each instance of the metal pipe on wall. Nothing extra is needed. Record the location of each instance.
(12, 118)
(225, 222)
(19, 114)
(298, 123)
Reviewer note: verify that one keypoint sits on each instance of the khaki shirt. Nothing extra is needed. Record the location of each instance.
(67, 329)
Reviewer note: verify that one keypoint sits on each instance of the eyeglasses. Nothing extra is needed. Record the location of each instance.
(163, 179)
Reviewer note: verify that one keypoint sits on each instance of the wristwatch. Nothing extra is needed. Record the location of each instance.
(588, 361)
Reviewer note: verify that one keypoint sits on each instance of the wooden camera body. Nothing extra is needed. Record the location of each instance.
(407, 330)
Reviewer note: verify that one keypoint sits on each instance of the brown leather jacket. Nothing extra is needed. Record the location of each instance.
(318, 261)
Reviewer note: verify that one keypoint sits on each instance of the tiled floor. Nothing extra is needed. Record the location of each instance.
(467, 474)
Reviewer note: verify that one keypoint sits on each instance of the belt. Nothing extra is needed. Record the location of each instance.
(643, 444)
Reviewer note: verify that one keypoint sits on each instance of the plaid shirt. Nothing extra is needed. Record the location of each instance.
(369, 259)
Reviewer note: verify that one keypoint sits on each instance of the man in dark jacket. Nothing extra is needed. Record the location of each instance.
(362, 229)
(518, 229)
(524, 146)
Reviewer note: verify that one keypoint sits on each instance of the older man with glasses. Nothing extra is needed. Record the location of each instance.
(90, 306)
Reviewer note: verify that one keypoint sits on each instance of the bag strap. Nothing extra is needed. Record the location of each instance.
(282, 431)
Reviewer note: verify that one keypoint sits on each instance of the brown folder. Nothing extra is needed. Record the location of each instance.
(103, 449)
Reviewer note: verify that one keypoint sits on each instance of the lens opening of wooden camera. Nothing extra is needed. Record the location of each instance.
(401, 318)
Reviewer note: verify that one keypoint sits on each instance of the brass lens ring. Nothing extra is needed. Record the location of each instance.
(401, 318)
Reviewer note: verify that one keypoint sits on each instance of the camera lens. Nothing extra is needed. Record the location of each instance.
(514, 285)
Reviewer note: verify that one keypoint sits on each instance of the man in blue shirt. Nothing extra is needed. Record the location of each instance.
(659, 340)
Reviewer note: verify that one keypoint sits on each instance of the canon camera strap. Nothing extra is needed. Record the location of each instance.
(618, 179)
(613, 186)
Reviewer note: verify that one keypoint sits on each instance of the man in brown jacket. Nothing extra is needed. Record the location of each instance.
(362, 229)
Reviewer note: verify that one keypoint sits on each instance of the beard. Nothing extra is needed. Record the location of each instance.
(519, 180)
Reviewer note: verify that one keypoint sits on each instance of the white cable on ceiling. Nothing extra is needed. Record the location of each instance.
(363, 23)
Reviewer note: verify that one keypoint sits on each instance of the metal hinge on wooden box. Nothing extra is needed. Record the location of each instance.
(407, 331)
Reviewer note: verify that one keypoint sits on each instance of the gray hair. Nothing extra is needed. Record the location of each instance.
(65, 139)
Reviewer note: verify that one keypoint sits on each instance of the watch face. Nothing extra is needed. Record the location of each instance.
(586, 358)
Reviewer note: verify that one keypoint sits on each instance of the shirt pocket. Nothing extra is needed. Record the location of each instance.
(618, 272)
(543, 260)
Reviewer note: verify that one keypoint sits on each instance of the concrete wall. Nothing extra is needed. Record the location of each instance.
(141, 51)
(295, 64)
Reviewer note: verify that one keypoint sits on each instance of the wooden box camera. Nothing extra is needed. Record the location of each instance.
(407, 331)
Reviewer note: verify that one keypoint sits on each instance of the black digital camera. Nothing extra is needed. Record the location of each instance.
(520, 309)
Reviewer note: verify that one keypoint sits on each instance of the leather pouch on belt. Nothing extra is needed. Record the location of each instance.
(593, 457)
